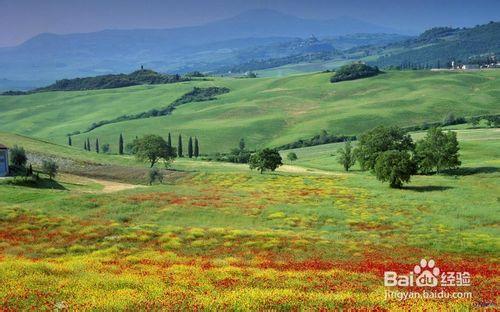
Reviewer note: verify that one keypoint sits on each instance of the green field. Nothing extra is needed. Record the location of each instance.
(264, 111)
(221, 237)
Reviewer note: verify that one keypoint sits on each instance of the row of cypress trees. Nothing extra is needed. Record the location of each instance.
(193, 145)
(86, 144)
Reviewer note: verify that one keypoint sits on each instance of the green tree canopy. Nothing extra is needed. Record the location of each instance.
(354, 71)
(437, 150)
(152, 148)
(378, 140)
(395, 167)
(266, 159)
(50, 168)
(18, 156)
(346, 156)
(291, 156)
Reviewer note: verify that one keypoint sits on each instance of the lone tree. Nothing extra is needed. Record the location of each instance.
(379, 140)
(266, 159)
(346, 156)
(70, 143)
(97, 145)
(179, 146)
(196, 148)
(292, 157)
(50, 168)
(169, 140)
(437, 150)
(120, 145)
(152, 148)
(18, 156)
(190, 147)
(396, 167)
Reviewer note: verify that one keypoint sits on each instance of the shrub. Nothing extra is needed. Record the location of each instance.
(450, 119)
(292, 157)
(18, 156)
(155, 175)
(105, 148)
(50, 168)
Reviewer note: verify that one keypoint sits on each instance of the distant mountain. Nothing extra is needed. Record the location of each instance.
(50, 56)
(269, 23)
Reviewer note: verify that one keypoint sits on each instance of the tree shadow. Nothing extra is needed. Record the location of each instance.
(426, 188)
(38, 184)
(465, 171)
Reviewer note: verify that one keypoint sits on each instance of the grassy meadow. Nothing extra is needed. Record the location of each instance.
(222, 237)
(265, 111)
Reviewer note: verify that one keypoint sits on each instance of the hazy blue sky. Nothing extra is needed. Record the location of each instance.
(22, 19)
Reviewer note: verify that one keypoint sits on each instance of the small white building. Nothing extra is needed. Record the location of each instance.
(4, 160)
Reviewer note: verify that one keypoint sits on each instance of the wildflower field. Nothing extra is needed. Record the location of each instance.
(232, 239)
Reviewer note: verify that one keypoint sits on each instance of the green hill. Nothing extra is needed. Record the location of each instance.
(264, 111)
(443, 45)
(138, 77)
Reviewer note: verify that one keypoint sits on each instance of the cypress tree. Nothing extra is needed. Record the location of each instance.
(97, 145)
(179, 146)
(69, 140)
(169, 140)
(120, 145)
(196, 148)
(190, 147)
(88, 144)
(242, 144)
(85, 145)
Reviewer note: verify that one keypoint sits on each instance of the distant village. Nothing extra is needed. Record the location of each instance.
(491, 63)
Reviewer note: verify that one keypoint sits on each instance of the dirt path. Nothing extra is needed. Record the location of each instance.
(108, 186)
(298, 169)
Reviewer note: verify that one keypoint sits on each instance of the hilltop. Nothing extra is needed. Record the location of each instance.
(138, 77)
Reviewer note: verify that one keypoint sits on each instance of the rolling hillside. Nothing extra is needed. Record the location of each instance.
(435, 47)
(264, 111)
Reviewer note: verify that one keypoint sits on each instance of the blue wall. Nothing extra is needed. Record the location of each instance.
(3, 163)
